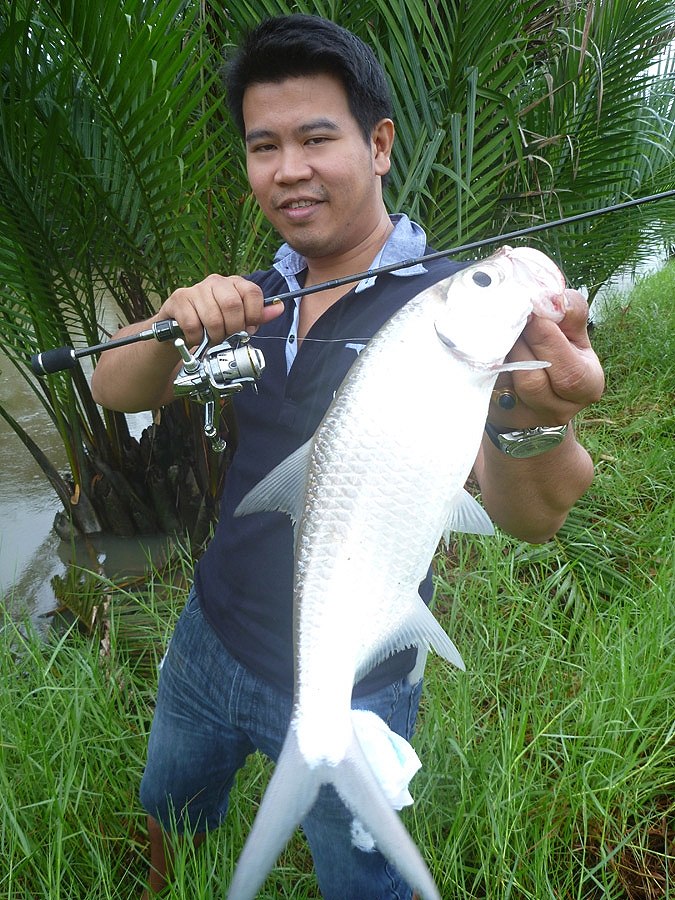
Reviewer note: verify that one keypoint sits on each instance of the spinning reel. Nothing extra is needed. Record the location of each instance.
(216, 373)
(207, 376)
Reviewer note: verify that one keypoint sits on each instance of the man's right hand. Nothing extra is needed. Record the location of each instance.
(221, 305)
(140, 376)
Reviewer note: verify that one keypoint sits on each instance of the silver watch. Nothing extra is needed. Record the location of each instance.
(527, 442)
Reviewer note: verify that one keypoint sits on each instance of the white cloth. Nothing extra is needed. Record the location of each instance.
(393, 761)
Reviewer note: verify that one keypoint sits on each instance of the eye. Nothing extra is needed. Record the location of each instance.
(482, 278)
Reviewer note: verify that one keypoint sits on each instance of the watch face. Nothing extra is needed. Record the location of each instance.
(531, 444)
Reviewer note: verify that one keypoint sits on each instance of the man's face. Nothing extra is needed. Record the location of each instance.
(315, 177)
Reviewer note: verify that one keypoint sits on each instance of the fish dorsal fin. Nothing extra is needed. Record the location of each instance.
(467, 515)
(282, 489)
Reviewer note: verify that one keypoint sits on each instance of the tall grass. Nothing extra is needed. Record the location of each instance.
(548, 767)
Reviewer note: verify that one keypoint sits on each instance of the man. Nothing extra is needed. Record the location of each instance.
(315, 112)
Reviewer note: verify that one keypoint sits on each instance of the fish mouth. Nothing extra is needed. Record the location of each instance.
(530, 264)
(444, 339)
(460, 354)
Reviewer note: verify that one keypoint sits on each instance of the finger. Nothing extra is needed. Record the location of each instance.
(574, 324)
(574, 378)
(227, 305)
(538, 400)
(185, 306)
(219, 305)
(242, 304)
(255, 311)
(558, 342)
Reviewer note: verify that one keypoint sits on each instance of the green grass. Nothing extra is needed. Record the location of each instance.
(548, 767)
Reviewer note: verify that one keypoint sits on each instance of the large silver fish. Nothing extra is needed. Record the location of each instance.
(371, 495)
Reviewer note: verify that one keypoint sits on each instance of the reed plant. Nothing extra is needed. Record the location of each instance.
(548, 767)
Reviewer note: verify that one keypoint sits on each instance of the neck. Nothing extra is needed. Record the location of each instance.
(356, 259)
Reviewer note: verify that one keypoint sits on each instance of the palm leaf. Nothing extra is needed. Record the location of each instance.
(121, 176)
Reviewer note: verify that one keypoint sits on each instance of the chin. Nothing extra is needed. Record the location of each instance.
(313, 246)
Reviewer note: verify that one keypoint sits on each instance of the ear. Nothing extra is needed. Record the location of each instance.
(382, 142)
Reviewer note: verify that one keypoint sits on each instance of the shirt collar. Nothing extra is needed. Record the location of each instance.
(406, 241)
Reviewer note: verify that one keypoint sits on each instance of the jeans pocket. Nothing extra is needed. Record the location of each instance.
(192, 607)
(186, 632)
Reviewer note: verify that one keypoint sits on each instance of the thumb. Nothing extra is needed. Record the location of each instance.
(273, 311)
(575, 323)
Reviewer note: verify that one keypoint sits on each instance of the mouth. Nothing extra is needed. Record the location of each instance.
(298, 212)
(298, 204)
(531, 265)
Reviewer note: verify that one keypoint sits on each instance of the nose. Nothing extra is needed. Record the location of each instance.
(292, 166)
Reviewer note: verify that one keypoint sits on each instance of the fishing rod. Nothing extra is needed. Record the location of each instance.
(212, 373)
(463, 248)
(61, 358)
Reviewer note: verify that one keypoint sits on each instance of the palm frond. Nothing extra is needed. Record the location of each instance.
(121, 176)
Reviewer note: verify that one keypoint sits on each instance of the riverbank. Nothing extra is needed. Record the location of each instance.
(547, 766)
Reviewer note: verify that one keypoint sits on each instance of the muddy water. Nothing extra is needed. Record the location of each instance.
(28, 549)
(30, 552)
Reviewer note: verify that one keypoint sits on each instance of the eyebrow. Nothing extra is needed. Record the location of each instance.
(263, 134)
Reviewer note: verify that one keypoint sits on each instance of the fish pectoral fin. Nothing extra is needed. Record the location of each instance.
(524, 365)
(282, 489)
(469, 516)
(290, 795)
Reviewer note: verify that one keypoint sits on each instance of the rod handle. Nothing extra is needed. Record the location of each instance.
(61, 358)
(50, 361)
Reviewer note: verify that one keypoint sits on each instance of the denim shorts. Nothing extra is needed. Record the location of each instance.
(211, 714)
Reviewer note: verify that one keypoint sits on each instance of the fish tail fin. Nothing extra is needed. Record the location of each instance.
(359, 789)
(290, 795)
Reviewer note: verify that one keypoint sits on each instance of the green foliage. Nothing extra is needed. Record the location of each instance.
(94, 197)
(547, 766)
(121, 177)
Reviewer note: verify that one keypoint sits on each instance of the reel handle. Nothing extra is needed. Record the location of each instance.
(62, 358)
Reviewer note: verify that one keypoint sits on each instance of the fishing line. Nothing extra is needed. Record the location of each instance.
(51, 361)
(280, 337)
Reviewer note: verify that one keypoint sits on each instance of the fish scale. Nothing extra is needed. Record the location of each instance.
(370, 496)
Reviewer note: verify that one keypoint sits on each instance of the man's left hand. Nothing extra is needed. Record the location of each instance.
(574, 380)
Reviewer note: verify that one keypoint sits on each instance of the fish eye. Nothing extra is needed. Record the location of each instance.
(482, 278)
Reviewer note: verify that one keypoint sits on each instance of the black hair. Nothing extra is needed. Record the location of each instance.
(296, 45)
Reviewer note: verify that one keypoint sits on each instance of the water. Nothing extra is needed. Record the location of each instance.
(30, 552)
(28, 549)
(622, 283)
